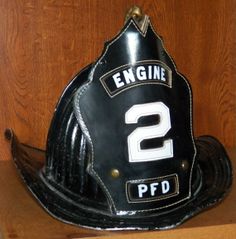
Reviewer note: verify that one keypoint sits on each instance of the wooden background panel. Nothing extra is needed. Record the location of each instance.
(44, 43)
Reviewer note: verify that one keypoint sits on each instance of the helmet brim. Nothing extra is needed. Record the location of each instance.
(216, 179)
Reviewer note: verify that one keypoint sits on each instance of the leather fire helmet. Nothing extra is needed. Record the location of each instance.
(120, 151)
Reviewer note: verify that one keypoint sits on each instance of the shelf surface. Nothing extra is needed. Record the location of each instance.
(22, 217)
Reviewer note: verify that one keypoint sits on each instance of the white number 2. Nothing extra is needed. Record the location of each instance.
(136, 154)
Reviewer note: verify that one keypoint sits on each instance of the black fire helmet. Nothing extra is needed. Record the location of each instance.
(120, 151)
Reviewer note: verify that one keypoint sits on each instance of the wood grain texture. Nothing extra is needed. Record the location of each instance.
(219, 232)
(44, 43)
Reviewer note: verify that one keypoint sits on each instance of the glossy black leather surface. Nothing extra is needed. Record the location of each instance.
(67, 152)
(212, 163)
(101, 118)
